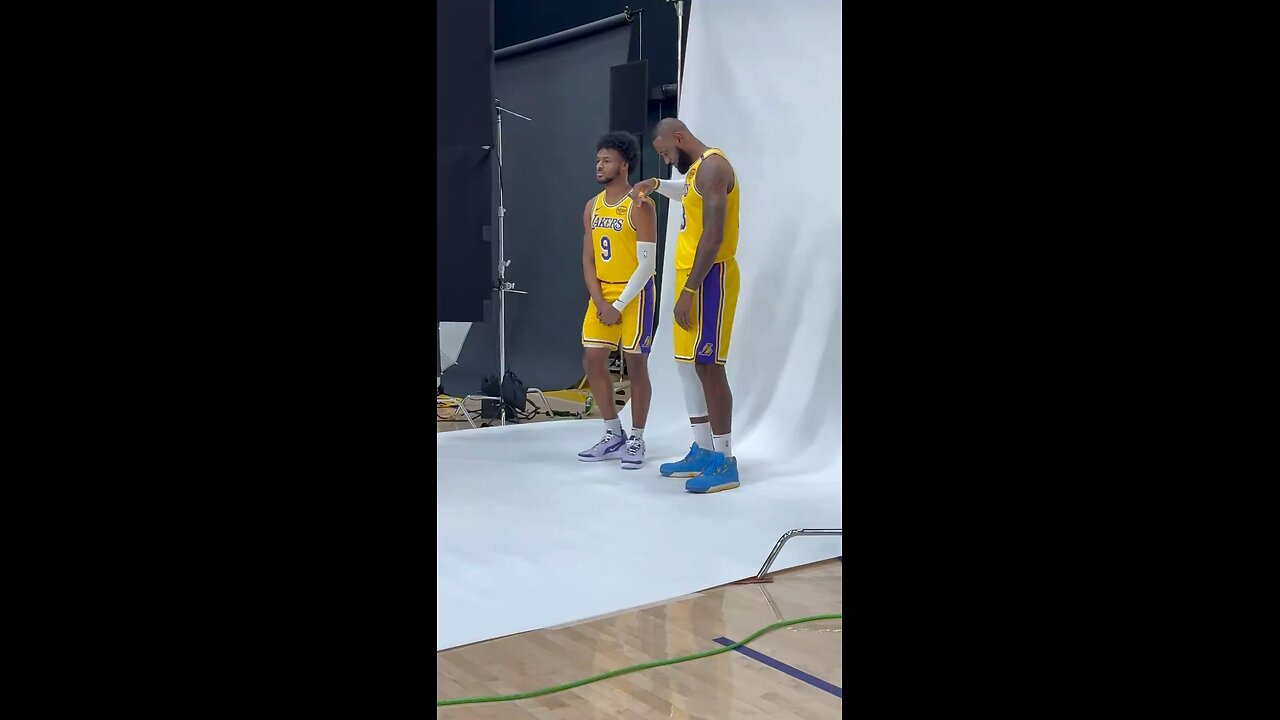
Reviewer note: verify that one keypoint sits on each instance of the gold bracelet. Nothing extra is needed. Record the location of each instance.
(690, 290)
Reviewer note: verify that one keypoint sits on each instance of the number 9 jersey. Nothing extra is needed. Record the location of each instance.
(615, 240)
(614, 237)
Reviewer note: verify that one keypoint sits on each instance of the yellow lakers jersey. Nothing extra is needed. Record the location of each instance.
(691, 218)
(614, 235)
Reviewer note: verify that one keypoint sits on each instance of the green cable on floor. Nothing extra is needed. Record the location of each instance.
(642, 666)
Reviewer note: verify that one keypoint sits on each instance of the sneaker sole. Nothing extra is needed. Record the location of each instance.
(600, 459)
(632, 465)
(716, 488)
(682, 474)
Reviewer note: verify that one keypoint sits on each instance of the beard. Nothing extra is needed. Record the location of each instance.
(684, 161)
(605, 179)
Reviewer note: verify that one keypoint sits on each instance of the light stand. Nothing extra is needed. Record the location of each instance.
(679, 6)
(504, 287)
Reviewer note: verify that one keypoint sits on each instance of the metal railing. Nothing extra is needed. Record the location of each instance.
(783, 541)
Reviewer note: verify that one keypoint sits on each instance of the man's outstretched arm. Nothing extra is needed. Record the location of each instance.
(645, 220)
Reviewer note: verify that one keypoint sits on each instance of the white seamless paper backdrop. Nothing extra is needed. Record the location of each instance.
(527, 537)
(763, 83)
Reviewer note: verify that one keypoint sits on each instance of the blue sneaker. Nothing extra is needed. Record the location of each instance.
(723, 476)
(692, 465)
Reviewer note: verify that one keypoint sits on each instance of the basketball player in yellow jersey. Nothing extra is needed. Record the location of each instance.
(619, 256)
(706, 296)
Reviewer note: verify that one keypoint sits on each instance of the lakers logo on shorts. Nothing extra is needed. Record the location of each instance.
(647, 338)
(707, 341)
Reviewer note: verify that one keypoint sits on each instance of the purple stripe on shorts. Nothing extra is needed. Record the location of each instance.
(646, 317)
(710, 316)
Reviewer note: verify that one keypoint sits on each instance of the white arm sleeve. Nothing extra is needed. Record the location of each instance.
(646, 254)
(673, 189)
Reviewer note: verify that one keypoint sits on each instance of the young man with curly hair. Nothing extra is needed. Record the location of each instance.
(619, 259)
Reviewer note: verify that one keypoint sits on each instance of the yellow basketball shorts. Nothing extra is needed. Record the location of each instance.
(712, 315)
(635, 332)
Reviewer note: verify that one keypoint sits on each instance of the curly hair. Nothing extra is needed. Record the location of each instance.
(626, 145)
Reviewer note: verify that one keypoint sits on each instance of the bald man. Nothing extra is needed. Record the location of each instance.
(706, 296)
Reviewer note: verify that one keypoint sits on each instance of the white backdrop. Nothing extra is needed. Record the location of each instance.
(763, 83)
(527, 536)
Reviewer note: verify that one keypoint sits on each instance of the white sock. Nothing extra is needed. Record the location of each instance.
(723, 445)
(637, 432)
(615, 425)
(702, 435)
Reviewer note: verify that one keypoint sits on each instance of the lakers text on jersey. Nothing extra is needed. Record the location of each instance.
(613, 236)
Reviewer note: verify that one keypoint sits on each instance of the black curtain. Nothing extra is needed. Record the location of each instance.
(548, 174)
(465, 125)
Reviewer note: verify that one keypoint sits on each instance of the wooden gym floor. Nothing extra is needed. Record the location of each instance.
(793, 673)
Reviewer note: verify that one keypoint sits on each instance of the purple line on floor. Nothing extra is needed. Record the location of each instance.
(783, 667)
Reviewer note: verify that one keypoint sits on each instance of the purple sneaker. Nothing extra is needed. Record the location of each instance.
(611, 447)
(633, 459)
